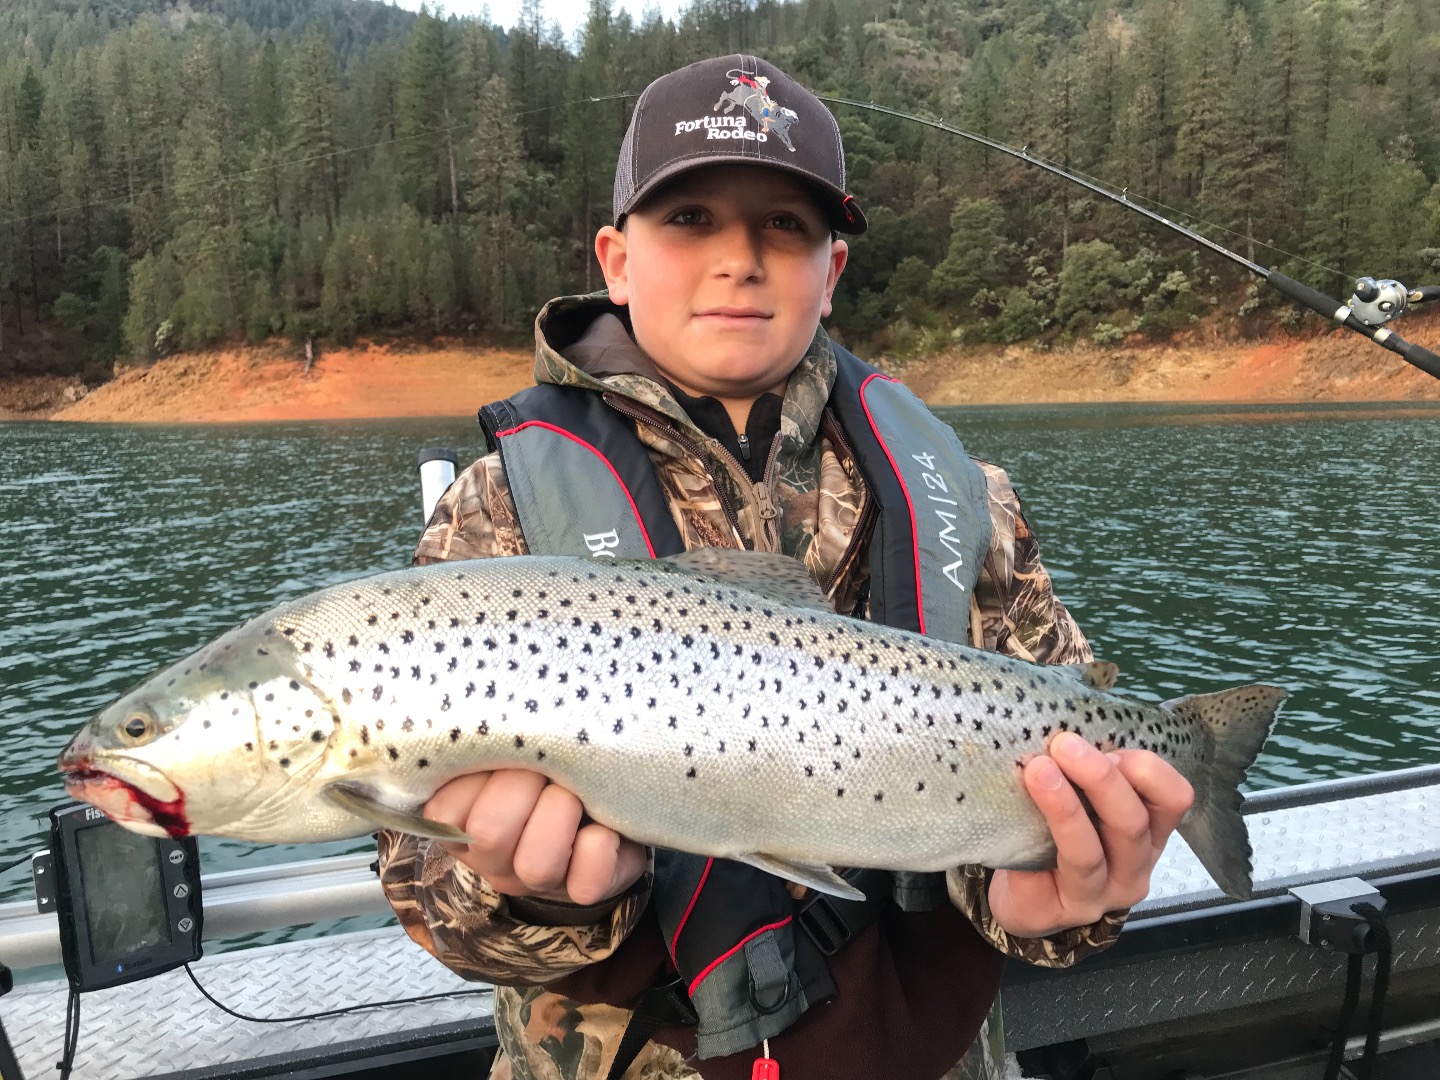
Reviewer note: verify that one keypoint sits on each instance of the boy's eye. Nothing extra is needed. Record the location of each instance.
(687, 215)
(786, 221)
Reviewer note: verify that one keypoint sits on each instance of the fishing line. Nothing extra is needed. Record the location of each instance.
(1199, 220)
(1378, 302)
(328, 1012)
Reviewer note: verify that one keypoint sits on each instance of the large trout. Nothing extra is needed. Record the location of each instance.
(710, 703)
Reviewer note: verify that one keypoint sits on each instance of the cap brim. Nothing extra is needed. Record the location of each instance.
(844, 212)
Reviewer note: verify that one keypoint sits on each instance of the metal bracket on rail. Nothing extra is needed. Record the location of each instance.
(1348, 916)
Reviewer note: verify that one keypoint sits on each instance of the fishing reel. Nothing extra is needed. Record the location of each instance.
(1376, 303)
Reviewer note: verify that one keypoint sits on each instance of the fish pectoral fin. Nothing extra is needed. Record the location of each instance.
(816, 876)
(363, 805)
(1098, 674)
(777, 576)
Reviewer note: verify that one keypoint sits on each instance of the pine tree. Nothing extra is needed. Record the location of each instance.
(426, 128)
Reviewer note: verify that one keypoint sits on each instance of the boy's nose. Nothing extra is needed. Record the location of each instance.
(739, 253)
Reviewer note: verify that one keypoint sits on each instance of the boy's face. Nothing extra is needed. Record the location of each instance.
(726, 271)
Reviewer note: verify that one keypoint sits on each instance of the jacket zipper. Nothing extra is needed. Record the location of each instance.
(626, 407)
(769, 512)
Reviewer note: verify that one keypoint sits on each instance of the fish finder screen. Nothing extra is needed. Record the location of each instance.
(124, 893)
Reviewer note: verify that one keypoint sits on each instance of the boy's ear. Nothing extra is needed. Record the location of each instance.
(610, 252)
(839, 255)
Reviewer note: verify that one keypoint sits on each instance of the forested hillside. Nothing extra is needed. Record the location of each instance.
(177, 175)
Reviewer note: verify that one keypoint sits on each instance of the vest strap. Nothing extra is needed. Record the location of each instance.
(833, 922)
(581, 481)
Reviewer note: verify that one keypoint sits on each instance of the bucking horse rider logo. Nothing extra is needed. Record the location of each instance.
(752, 93)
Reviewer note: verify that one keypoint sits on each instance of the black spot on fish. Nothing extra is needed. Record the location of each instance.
(394, 754)
(532, 705)
(353, 640)
(407, 636)
(879, 796)
(519, 742)
(690, 773)
(346, 696)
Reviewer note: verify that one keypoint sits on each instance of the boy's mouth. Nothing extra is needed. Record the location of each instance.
(733, 314)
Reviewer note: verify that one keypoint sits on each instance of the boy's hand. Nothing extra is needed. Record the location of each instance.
(1101, 866)
(528, 839)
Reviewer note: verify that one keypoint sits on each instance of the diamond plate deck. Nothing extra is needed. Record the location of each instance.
(1328, 839)
(163, 1026)
(1088, 1002)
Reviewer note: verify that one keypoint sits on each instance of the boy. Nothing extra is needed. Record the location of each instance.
(722, 416)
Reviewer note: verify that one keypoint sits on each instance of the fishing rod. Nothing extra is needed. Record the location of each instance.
(1373, 304)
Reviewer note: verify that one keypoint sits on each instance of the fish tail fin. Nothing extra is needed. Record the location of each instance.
(1235, 724)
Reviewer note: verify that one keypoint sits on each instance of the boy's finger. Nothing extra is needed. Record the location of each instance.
(498, 817)
(604, 864)
(544, 850)
(1121, 818)
(1079, 855)
(451, 805)
(1166, 794)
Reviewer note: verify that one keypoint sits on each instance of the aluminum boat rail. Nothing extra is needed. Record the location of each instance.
(1191, 965)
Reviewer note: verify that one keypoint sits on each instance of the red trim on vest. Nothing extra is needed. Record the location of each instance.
(909, 505)
(644, 533)
(675, 941)
(731, 952)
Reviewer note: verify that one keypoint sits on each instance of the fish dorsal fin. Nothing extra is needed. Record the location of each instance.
(1098, 674)
(360, 802)
(777, 576)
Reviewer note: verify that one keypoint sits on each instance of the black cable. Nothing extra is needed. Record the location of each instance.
(1379, 988)
(12, 865)
(72, 1034)
(1347, 1017)
(328, 1012)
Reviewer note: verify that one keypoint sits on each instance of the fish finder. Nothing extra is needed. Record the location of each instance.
(129, 905)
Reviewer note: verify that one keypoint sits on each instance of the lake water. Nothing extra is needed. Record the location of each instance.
(1198, 547)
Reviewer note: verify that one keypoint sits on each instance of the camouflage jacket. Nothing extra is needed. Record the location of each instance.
(812, 505)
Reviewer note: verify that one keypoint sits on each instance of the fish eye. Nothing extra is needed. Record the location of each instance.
(137, 728)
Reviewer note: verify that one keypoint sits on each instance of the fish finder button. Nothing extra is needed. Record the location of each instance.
(181, 891)
(177, 857)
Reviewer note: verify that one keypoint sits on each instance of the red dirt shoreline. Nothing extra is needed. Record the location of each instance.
(268, 383)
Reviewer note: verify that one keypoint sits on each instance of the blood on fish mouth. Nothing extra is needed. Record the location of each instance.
(125, 802)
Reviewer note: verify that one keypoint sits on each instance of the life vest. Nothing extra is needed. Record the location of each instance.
(750, 960)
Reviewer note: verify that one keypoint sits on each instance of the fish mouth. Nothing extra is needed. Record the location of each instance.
(127, 803)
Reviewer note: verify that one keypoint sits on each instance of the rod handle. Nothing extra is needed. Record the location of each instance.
(1339, 313)
(1418, 355)
(1314, 299)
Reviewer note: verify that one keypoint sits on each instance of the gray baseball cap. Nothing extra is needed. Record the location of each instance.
(733, 109)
